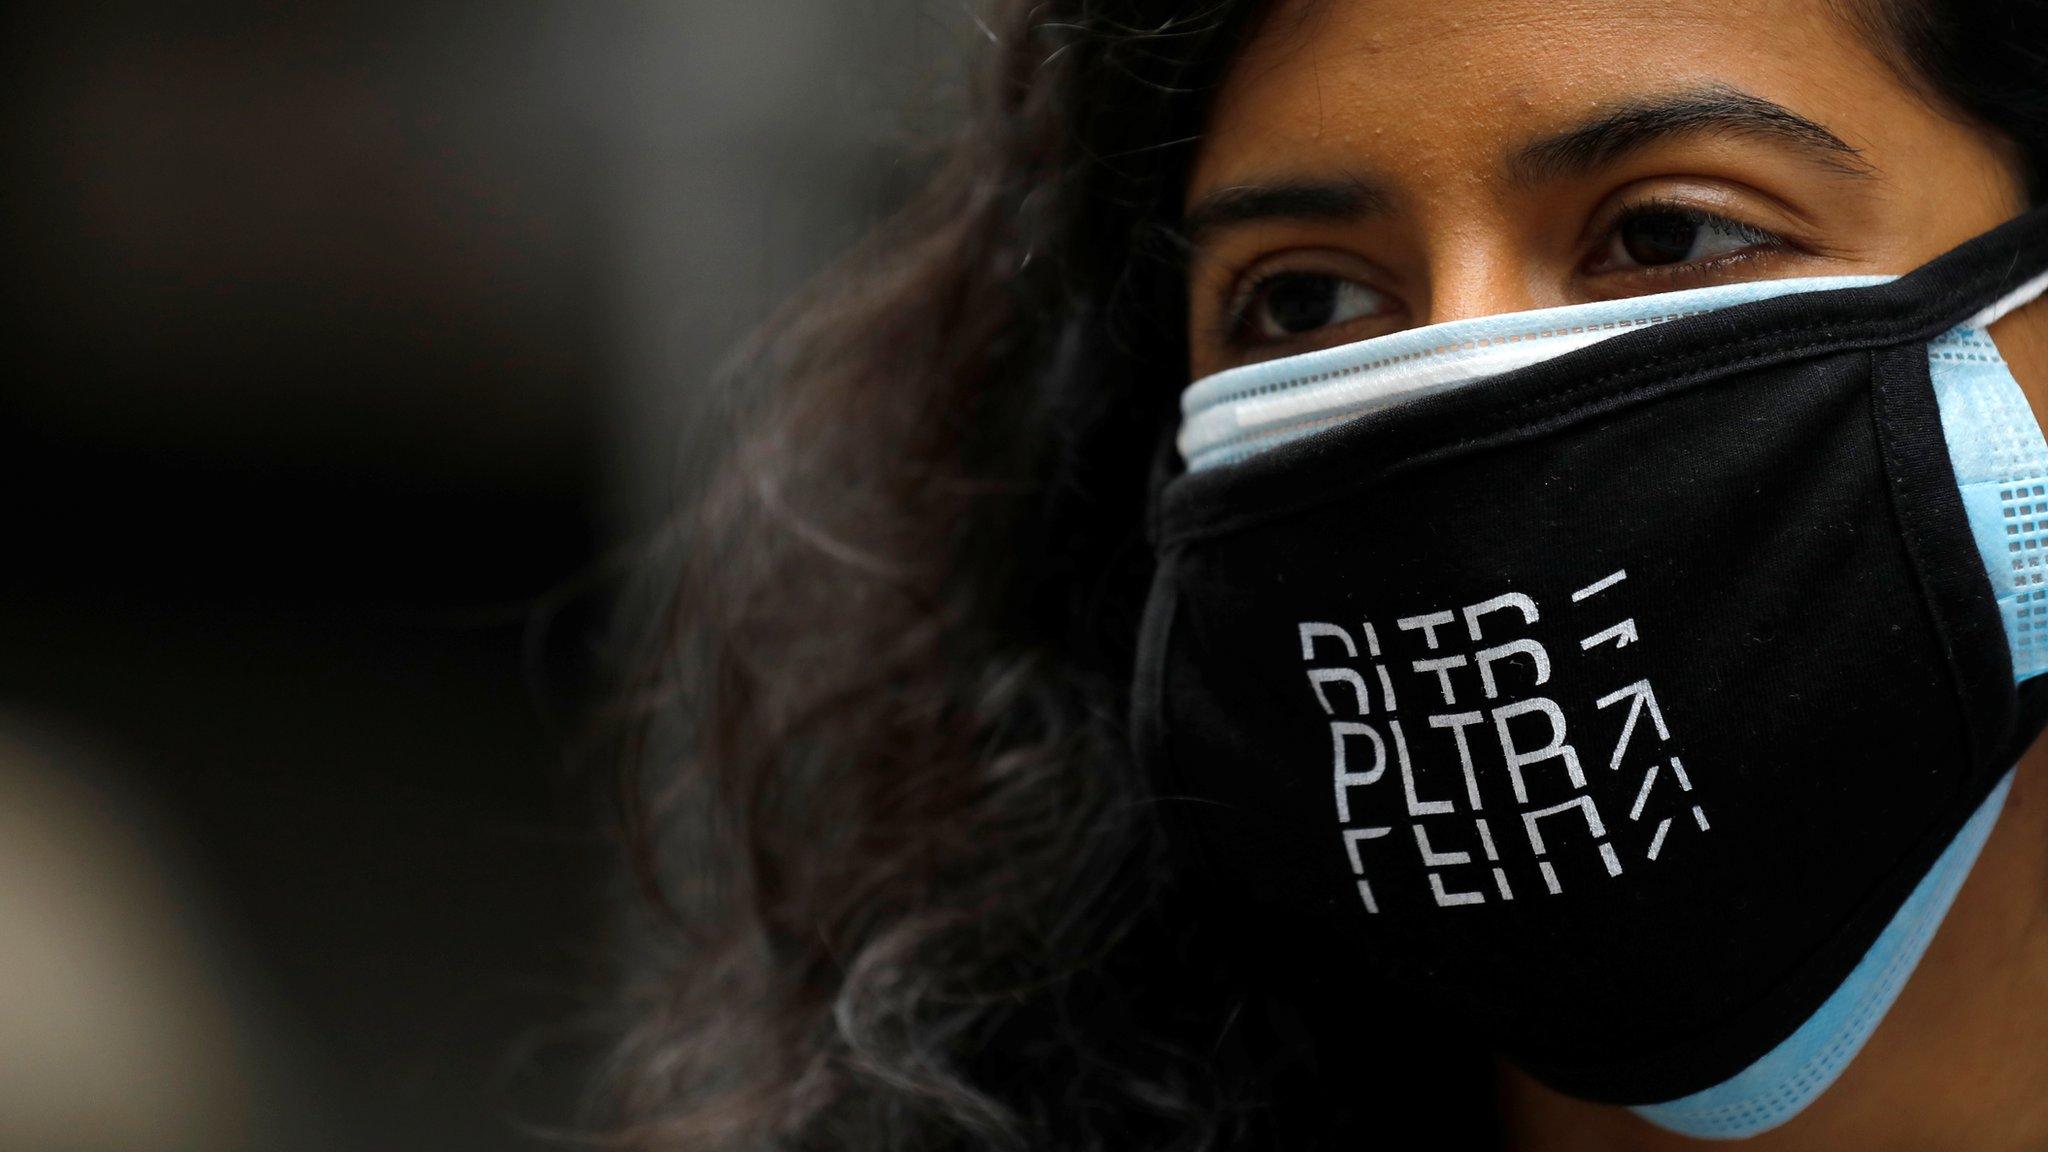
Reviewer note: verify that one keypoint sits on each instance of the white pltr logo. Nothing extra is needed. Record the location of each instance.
(1472, 682)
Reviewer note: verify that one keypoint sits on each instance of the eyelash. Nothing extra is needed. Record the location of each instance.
(1751, 234)
(1237, 316)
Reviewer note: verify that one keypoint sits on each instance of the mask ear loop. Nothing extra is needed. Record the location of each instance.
(2011, 302)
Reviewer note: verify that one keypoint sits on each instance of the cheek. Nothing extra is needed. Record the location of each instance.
(1958, 184)
(1207, 318)
(2022, 338)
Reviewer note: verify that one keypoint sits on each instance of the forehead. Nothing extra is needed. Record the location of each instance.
(1450, 82)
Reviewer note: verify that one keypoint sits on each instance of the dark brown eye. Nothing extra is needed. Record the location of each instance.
(1656, 237)
(1659, 238)
(1293, 303)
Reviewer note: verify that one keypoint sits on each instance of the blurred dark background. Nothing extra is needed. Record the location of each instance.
(355, 354)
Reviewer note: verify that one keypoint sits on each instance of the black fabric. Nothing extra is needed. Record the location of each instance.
(1803, 602)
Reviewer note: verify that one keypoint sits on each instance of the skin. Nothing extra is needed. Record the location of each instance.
(1424, 102)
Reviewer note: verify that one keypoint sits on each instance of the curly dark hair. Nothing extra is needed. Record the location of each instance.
(903, 888)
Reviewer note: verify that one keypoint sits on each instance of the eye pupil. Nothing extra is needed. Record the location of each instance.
(1296, 304)
(1659, 238)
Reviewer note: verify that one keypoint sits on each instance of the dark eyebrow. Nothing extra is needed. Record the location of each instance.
(1344, 199)
(1641, 123)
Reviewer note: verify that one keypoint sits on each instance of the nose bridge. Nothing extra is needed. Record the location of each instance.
(1479, 273)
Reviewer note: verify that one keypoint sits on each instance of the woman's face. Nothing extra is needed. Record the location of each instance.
(1373, 166)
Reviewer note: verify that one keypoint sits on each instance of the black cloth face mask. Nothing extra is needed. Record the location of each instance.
(1616, 704)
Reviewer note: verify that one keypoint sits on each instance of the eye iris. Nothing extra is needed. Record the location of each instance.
(1659, 238)
(1301, 303)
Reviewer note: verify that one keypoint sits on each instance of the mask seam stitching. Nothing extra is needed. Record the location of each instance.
(1327, 420)
(1586, 393)
(1440, 349)
(1912, 533)
(1572, 399)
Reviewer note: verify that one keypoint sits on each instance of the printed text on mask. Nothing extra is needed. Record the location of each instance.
(1470, 684)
